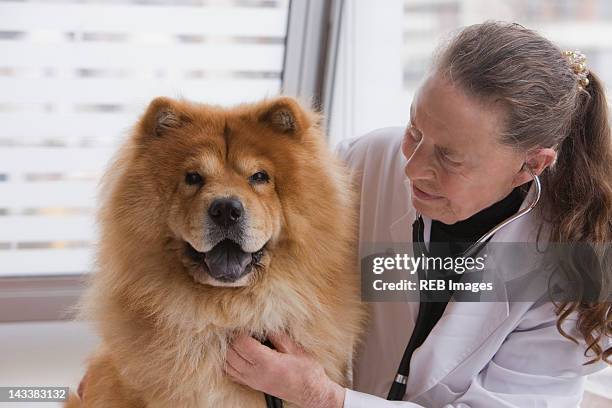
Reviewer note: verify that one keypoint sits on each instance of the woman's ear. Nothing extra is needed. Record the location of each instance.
(537, 160)
(162, 116)
(284, 115)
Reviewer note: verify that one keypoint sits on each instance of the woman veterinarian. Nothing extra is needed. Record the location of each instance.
(500, 105)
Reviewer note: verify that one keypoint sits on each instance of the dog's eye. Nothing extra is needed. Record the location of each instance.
(192, 178)
(259, 177)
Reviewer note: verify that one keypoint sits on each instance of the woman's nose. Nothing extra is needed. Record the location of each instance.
(419, 165)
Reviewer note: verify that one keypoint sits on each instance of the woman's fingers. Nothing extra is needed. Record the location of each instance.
(248, 359)
(237, 361)
(237, 367)
(233, 373)
(255, 352)
(284, 343)
(281, 342)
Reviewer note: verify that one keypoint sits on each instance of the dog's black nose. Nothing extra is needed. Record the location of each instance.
(226, 212)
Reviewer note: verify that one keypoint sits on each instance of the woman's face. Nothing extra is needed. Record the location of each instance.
(456, 164)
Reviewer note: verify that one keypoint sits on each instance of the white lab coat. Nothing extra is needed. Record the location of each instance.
(489, 354)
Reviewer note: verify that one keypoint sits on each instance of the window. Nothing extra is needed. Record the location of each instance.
(75, 77)
(385, 49)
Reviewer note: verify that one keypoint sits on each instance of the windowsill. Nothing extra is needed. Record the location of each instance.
(39, 298)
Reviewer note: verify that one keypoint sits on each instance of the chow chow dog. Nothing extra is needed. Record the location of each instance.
(217, 221)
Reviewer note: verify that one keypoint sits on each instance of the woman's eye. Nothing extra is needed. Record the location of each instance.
(450, 161)
(259, 177)
(193, 178)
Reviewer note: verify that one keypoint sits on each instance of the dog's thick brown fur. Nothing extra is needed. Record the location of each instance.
(165, 324)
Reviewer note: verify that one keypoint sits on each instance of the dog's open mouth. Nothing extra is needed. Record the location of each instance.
(226, 261)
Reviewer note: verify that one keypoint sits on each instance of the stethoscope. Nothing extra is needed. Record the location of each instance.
(398, 387)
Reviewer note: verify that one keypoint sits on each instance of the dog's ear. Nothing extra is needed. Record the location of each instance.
(162, 116)
(285, 115)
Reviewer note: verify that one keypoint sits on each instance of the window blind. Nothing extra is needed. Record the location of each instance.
(74, 77)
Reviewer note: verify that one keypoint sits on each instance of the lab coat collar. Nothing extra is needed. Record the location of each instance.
(464, 326)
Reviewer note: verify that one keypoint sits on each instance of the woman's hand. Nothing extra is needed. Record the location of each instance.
(288, 372)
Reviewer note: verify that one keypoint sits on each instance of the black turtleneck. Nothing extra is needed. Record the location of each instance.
(467, 231)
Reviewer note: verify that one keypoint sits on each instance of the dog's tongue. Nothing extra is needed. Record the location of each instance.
(227, 260)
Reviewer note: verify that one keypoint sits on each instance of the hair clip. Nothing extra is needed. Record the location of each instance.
(577, 62)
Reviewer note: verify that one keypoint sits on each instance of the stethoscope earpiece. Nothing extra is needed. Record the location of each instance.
(526, 167)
